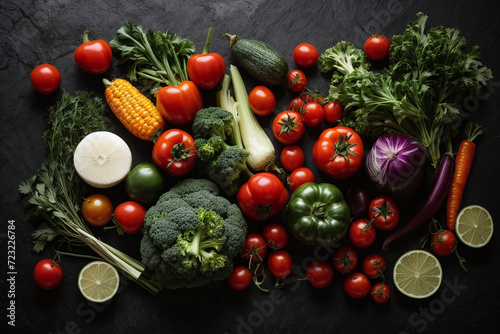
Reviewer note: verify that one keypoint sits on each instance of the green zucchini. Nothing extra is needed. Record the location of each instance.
(261, 61)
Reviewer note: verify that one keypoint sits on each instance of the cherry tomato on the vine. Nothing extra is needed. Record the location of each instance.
(377, 47)
(310, 96)
(384, 212)
(275, 235)
(305, 55)
(374, 265)
(47, 274)
(280, 264)
(357, 285)
(255, 248)
(296, 80)
(240, 278)
(380, 293)
(361, 233)
(130, 216)
(300, 176)
(288, 127)
(292, 157)
(319, 274)
(345, 260)
(45, 78)
(97, 209)
(313, 114)
(262, 100)
(443, 242)
(296, 104)
(93, 56)
(333, 111)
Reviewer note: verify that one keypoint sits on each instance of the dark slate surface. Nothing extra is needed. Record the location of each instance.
(33, 32)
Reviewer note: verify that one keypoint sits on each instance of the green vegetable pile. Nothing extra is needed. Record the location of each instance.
(192, 235)
(428, 77)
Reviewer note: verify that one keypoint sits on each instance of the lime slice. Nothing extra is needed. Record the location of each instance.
(98, 281)
(474, 226)
(417, 274)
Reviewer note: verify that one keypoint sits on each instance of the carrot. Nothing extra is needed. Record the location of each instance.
(463, 164)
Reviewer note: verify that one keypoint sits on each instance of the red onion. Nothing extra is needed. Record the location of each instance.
(395, 164)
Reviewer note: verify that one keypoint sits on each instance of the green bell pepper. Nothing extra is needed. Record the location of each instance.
(317, 214)
(145, 183)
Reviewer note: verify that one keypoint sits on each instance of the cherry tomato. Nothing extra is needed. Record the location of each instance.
(93, 57)
(280, 264)
(130, 215)
(443, 242)
(296, 80)
(292, 157)
(300, 176)
(46, 79)
(319, 274)
(333, 111)
(275, 235)
(288, 127)
(97, 210)
(377, 47)
(345, 260)
(305, 55)
(384, 212)
(47, 274)
(357, 285)
(361, 233)
(262, 100)
(374, 265)
(313, 114)
(240, 278)
(255, 248)
(174, 152)
(380, 293)
(310, 96)
(296, 104)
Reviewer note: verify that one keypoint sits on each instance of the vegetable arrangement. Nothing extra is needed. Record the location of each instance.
(198, 230)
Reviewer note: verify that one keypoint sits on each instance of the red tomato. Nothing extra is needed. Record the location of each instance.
(296, 104)
(275, 235)
(296, 80)
(333, 111)
(280, 264)
(288, 127)
(93, 57)
(305, 55)
(262, 100)
(179, 104)
(46, 79)
(130, 216)
(47, 274)
(313, 114)
(338, 152)
(319, 274)
(292, 157)
(240, 278)
(377, 47)
(300, 176)
(345, 260)
(263, 196)
(357, 285)
(384, 212)
(380, 293)
(362, 234)
(374, 265)
(174, 152)
(310, 96)
(255, 248)
(97, 210)
(443, 242)
(206, 69)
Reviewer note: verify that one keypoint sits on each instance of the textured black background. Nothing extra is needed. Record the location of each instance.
(33, 32)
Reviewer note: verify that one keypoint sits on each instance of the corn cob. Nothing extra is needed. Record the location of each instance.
(136, 112)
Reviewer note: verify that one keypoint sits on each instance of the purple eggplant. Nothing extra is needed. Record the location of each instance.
(359, 199)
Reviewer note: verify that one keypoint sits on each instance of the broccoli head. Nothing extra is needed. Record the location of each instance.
(192, 235)
(213, 121)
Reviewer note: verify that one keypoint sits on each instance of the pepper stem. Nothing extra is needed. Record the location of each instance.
(86, 37)
(319, 209)
(206, 49)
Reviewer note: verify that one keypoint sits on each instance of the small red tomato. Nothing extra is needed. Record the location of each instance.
(275, 235)
(93, 57)
(292, 157)
(300, 176)
(46, 79)
(374, 265)
(296, 104)
(357, 285)
(377, 47)
(362, 234)
(280, 264)
(47, 274)
(333, 111)
(262, 100)
(443, 242)
(380, 293)
(384, 212)
(296, 80)
(305, 55)
(345, 260)
(240, 278)
(255, 248)
(130, 216)
(310, 96)
(288, 127)
(313, 114)
(174, 152)
(319, 274)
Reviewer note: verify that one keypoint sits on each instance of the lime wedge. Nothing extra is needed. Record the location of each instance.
(98, 281)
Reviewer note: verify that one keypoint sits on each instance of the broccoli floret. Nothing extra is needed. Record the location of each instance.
(345, 58)
(193, 235)
(213, 121)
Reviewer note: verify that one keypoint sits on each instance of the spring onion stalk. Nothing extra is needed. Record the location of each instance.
(227, 102)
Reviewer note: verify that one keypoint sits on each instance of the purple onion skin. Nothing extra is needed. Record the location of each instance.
(359, 200)
(434, 201)
(395, 165)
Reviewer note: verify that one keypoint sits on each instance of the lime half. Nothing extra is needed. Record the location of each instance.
(98, 281)
(417, 274)
(474, 226)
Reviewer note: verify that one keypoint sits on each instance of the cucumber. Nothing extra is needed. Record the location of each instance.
(261, 61)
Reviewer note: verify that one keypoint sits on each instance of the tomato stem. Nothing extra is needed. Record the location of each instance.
(206, 49)
(343, 148)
